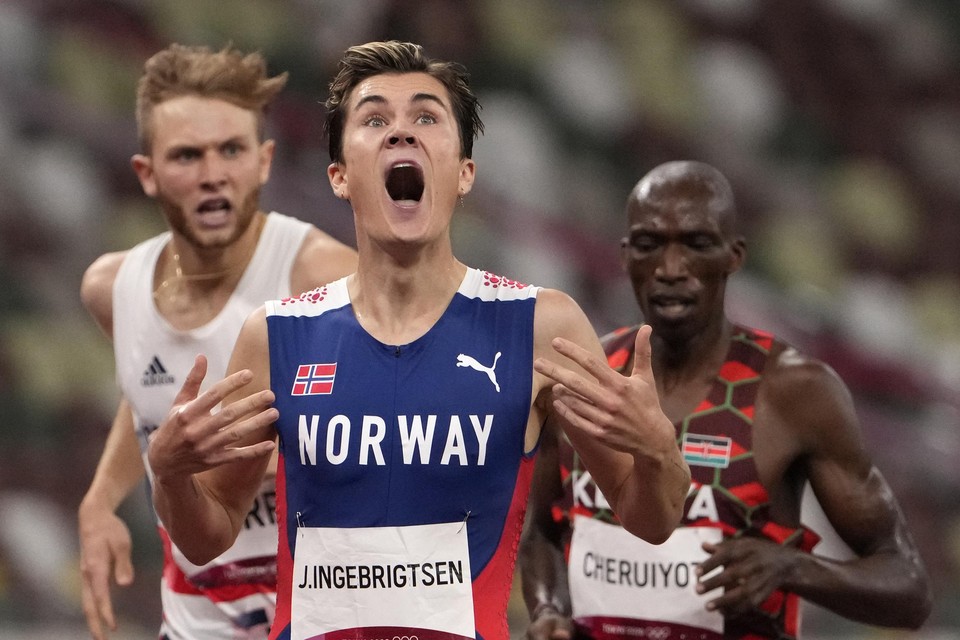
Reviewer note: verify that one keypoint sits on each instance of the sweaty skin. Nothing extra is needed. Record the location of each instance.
(680, 249)
(207, 465)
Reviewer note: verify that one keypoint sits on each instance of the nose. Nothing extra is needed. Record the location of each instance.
(401, 137)
(673, 265)
(213, 171)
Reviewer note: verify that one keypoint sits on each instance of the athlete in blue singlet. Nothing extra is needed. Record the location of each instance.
(409, 396)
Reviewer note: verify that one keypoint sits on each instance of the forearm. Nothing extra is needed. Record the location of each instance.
(884, 589)
(199, 524)
(649, 502)
(120, 468)
(543, 573)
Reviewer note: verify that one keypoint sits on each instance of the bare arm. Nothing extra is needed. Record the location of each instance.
(613, 421)
(208, 465)
(543, 568)
(886, 584)
(104, 538)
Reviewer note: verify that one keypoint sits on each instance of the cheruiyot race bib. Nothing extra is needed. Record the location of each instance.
(382, 582)
(622, 586)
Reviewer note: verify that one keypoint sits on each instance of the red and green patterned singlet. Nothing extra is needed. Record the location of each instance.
(726, 492)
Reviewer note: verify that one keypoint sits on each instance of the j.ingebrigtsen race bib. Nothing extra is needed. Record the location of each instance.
(382, 582)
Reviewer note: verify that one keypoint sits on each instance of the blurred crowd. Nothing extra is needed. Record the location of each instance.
(837, 121)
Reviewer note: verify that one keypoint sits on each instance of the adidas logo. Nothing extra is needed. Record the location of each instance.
(156, 374)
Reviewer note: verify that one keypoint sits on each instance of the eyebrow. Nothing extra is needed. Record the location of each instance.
(417, 97)
(196, 146)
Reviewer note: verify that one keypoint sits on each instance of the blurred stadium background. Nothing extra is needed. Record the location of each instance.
(838, 122)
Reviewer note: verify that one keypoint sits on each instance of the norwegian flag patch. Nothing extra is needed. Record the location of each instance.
(707, 451)
(314, 379)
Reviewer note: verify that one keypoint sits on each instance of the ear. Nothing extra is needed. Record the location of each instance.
(338, 181)
(468, 172)
(625, 254)
(266, 160)
(143, 167)
(738, 254)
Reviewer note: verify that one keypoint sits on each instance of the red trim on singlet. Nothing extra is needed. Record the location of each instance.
(284, 557)
(177, 581)
(491, 588)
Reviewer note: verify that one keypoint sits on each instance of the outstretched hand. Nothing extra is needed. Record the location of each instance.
(621, 411)
(194, 438)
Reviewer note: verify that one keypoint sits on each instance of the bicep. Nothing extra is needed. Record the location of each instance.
(854, 495)
(235, 484)
(558, 315)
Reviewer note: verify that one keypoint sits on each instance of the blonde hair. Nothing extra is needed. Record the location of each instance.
(229, 75)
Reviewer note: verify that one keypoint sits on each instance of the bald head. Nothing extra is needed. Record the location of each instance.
(695, 183)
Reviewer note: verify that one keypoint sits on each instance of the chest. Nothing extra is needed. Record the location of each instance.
(185, 308)
(433, 421)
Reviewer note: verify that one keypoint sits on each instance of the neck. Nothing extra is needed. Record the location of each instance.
(398, 305)
(681, 358)
(186, 271)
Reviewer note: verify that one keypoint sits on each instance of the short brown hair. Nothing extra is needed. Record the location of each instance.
(374, 58)
(229, 75)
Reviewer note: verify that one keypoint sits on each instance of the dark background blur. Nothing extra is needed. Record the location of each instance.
(837, 121)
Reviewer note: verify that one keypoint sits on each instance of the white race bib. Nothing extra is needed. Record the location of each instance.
(382, 582)
(627, 586)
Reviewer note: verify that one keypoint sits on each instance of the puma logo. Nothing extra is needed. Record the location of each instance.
(464, 360)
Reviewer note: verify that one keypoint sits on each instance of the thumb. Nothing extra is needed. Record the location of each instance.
(642, 366)
(123, 571)
(191, 385)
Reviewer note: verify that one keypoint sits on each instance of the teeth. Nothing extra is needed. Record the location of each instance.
(214, 205)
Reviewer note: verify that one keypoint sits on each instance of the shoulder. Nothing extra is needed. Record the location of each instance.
(96, 286)
(558, 315)
(557, 311)
(321, 259)
(807, 393)
(793, 375)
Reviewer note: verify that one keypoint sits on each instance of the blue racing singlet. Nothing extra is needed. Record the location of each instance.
(430, 432)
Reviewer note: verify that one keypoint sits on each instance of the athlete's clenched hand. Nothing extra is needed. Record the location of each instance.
(194, 437)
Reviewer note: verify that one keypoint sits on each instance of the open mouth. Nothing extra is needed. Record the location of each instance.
(405, 183)
(669, 305)
(214, 204)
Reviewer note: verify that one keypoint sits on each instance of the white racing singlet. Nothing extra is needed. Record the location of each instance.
(234, 595)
